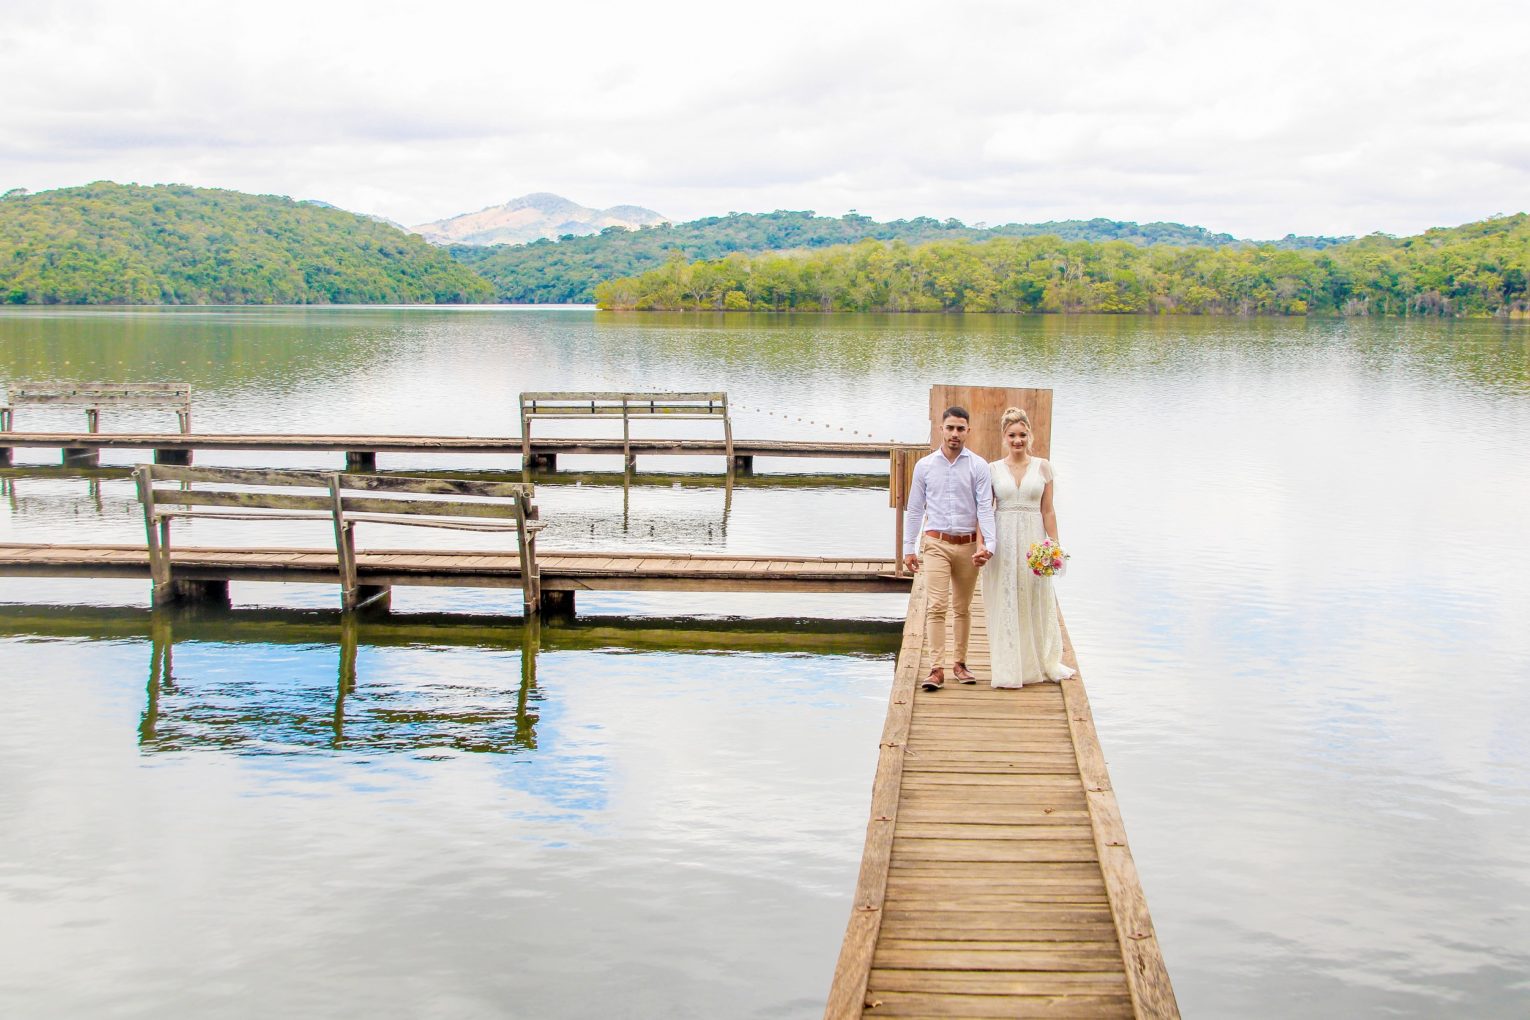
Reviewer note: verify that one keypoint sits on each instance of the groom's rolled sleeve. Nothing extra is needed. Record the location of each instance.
(983, 490)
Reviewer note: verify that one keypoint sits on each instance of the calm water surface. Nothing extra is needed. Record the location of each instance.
(1298, 591)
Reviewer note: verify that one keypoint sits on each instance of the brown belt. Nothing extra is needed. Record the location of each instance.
(952, 539)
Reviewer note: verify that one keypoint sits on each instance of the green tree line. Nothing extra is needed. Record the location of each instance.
(569, 268)
(108, 243)
(1474, 270)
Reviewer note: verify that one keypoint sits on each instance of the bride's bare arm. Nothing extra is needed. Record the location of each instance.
(1049, 513)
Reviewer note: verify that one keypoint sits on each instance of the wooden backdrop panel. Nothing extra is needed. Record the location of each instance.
(987, 404)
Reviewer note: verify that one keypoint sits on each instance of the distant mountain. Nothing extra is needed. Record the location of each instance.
(568, 270)
(534, 217)
(108, 243)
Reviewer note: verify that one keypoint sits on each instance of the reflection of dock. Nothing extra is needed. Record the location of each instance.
(996, 880)
(237, 718)
(289, 713)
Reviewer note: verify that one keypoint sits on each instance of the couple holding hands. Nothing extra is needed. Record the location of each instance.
(965, 516)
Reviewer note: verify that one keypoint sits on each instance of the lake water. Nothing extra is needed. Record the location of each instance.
(1298, 593)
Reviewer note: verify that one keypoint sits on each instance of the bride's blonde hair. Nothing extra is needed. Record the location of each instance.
(1012, 415)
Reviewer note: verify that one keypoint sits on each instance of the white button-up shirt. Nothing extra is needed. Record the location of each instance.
(950, 496)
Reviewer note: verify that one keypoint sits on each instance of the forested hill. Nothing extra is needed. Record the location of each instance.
(108, 243)
(1477, 269)
(569, 269)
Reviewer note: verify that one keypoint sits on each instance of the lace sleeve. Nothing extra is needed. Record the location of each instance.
(1046, 470)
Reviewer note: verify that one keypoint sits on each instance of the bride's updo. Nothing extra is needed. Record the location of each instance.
(1012, 415)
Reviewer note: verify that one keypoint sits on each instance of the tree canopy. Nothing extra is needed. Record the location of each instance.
(108, 243)
(1476, 269)
(568, 269)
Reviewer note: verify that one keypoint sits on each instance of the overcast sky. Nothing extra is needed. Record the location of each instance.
(1256, 118)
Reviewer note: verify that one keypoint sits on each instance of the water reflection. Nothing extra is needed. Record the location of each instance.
(284, 708)
(286, 712)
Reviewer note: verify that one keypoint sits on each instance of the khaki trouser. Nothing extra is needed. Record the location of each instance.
(947, 567)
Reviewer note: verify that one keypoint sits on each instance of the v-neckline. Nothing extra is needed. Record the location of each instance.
(1023, 475)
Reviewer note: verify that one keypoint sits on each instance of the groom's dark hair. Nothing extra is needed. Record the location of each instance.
(957, 412)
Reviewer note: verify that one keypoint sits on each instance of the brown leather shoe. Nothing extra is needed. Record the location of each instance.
(963, 674)
(935, 681)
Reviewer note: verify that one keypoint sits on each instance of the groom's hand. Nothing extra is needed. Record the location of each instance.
(981, 557)
(911, 561)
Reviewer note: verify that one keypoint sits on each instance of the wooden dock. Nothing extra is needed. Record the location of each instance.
(561, 571)
(996, 879)
(363, 449)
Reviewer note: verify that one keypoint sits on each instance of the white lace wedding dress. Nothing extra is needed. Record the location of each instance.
(1023, 634)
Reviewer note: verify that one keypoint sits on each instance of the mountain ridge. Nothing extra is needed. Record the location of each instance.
(536, 216)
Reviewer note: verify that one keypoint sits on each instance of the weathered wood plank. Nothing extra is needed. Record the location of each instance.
(1018, 1007)
(1152, 993)
(848, 988)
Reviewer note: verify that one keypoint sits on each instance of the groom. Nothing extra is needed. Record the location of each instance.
(949, 505)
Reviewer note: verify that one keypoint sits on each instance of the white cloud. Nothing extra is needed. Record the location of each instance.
(1258, 118)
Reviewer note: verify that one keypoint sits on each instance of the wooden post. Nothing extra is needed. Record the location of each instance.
(5, 426)
(531, 581)
(525, 443)
(345, 549)
(354, 596)
(728, 440)
(92, 420)
(628, 460)
(900, 477)
(159, 554)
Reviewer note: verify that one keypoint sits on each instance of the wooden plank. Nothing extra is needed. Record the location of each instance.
(1147, 975)
(1020, 1007)
(437, 486)
(1103, 982)
(848, 989)
(253, 500)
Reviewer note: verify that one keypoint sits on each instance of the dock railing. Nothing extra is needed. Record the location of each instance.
(96, 397)
(345, 500)
(626, 406)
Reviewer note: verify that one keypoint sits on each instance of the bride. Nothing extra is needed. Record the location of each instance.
(1022, 610)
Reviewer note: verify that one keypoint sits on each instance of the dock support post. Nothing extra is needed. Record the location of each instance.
(5, 456)
(557, 605)
(81, 456)
(361, 460)
(179, 457)
(743, 464)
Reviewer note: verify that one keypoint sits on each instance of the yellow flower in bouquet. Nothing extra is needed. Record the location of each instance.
(1046, 558)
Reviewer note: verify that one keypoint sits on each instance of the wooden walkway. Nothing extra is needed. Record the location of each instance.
(996, 879)
(561, 571)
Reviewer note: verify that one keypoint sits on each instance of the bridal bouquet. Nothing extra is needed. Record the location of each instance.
(1046, 558)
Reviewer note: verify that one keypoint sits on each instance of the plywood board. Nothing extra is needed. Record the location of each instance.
(987, 404)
